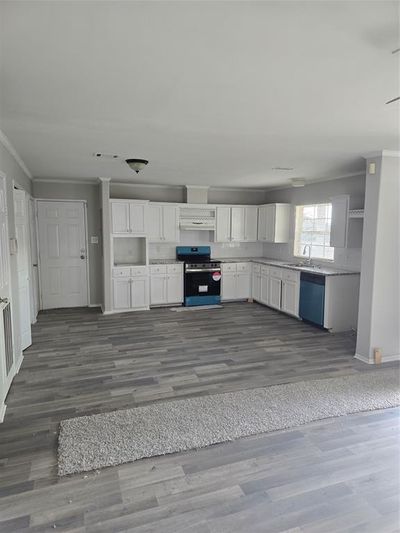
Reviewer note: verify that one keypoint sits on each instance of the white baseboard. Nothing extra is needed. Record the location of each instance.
(385, 358)
(3, 408)
(94, 305)
(19, 363)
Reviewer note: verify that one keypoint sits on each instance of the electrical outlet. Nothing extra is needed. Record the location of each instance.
(94, 239)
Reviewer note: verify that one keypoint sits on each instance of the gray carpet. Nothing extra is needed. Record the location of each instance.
(92, 442)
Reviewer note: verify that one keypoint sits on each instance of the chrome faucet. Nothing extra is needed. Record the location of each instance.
(309, 252)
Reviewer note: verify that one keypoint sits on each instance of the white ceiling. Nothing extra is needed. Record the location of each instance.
(212, 93)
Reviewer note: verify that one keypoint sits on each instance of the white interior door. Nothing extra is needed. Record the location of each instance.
(34, 285)
(6, 336)
(62, 252)
(22, 234)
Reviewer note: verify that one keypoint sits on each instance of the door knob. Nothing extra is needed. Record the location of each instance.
(82, 257)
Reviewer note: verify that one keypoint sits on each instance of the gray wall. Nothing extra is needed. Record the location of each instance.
(319, 193)
(90, 193)
(178, 194)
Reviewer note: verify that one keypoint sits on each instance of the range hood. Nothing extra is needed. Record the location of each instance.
(197, 218)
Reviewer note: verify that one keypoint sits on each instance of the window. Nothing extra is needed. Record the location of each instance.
(313, 228)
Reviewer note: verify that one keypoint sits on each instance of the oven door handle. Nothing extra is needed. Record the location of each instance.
(189, 270)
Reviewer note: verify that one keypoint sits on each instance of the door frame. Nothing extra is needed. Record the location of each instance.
(84, 202)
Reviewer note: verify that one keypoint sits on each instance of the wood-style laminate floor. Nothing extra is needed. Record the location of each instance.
(334, 475)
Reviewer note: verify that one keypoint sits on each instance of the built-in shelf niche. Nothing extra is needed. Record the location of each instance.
(129, 251)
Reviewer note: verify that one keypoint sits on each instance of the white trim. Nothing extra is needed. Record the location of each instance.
(94, 305)
(5, 141)
(315, 181)
(385, 359)
(19, 362)
(3, 408)
(382, 153)
(72, 181)
(58, 200)
(87, 252)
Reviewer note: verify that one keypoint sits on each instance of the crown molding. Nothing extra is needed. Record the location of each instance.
(4, 140)
(315, 181)
(382, 153)
(72, 181)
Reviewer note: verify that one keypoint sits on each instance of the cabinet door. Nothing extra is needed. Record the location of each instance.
(229, 286)
(158, 289)
(137, 217)
(237, 224)
(121, 294)
(174, 288)
(170, 231)
(262, 220)
(120, 217)
(223, 224)
(139, 292)
(270, 223)
(340, 214)
(243, 285)
(290, 297)
(250, 223)
(256, 286)
(155, 223)
(274, 296)
(264, 289)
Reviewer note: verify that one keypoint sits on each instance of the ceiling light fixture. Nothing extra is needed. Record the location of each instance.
(137, 164)
(298, 182)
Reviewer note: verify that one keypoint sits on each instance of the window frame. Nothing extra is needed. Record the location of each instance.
(297, 231)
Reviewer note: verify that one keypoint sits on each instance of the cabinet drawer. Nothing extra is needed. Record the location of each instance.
(139, 271)
(158, 269)
(243, 267)
(122, 272)
(290, 275)
(275, 272)
(265, 270)
(228, 267)
(174, 269)
(256, 268)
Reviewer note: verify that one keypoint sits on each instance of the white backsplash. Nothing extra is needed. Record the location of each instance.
(347, 258)
(204, 238)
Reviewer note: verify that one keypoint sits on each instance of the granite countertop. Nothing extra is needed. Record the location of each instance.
(164, 262)
(321, 270)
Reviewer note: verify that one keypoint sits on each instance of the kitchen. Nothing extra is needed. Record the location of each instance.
(239, 249)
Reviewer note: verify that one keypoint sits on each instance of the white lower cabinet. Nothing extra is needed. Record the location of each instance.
(166, 284)
(275, 288)
(130, 288)
(236, 281)
(264, 285)
(290, 292)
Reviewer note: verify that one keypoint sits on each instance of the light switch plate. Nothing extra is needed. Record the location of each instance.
(94, 239)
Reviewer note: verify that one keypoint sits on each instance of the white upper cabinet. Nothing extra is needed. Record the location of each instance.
(274, 222)
(236, 224)
(223, 224)
(163, 223)
(339, 224)
(170, 220)
(250, 223)
(128, 217)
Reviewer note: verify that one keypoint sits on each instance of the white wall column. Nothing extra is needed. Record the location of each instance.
(379, 304)
(106, 238)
